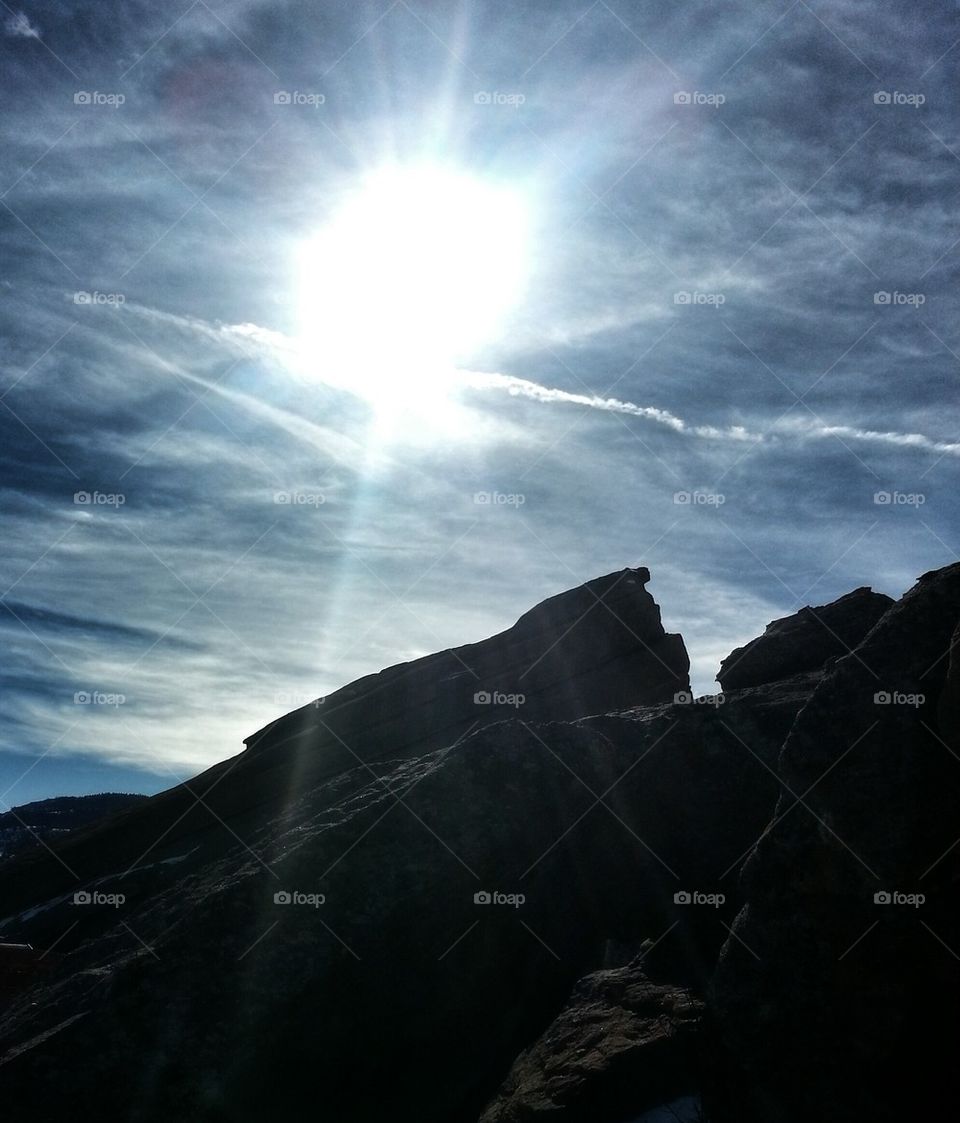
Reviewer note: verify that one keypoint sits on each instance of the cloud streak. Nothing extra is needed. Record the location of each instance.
(819, 430)
(18, 26)
(284, 350)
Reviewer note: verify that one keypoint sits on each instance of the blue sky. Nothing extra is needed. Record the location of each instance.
(741, 241)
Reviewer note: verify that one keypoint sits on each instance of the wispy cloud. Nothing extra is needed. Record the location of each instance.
(284, 349)
(18, 26)
(781, 428)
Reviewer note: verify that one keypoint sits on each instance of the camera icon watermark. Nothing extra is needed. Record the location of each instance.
(112, 299)
(686, 698)
(896, 97)
(99, 698)
(495, 97)
(485, 897)
(299, 498)
(890, 299)
(99, 498)
(696, 97)
(699, 498)
(499, 499)
(897, 897)
(296, 897)
(898, 698)
(298, 97)
(499, 697)
(899, 498)
(712, 299)
(110, 900)
(294, 701)
(696, 897)
(95, 97)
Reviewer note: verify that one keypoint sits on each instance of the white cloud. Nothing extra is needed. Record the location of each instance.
(18, 26)
(818, 429)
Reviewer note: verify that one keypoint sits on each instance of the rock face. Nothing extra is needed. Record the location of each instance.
(620, 1045)
(404, 978)
(804, 641)
(596, 648)
(593, 649)
(837, 995)
(400, 979)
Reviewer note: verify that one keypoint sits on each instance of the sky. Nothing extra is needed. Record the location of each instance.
(664, 284)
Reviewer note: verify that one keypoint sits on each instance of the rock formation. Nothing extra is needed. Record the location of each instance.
(593, 649)
(405, 904)
(837, 993)
(804, 641)
(621, 1044)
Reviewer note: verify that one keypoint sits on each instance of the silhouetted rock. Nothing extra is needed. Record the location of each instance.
(620, 1045)
(593, 649)
(837, 998)
(949, 708)
(399, 980)
(804, 641)
(374, 910)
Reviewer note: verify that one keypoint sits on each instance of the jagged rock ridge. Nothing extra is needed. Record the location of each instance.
(593, 649)
(804, 641)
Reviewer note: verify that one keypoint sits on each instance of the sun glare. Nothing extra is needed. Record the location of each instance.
(414, 271)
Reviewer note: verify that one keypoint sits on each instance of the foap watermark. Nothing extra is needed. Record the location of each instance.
(686, 698)
(95, 897)
(498, 698)
(497, 97)
(899, 498)
(99, 698)
(495, 897)
(696, 897)
(296, 897)
(99, 498)
(95, 97)
(498, 499)
(298, 97)
(912, 299)
(112, 299)
(897, 97)
(714, 299)
(296, 701)
(697, 97)
(299, 498)
(898, 698)
(699, 498)
(898, 897)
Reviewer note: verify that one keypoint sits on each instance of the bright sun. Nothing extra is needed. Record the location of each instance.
(415, 270)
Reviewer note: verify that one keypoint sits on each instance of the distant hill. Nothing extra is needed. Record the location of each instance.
(26, 826)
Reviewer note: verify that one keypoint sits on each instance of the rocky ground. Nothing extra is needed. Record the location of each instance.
(424, 898)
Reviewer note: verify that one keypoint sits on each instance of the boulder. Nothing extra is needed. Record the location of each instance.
(622, 1043)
